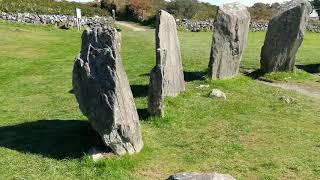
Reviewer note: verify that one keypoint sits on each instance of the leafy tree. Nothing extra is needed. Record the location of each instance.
(118, 5)
(206, 11)
(183, 8)
(139, 8)
(261, 11)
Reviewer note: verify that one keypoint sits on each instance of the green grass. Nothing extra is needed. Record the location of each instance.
(251, 135)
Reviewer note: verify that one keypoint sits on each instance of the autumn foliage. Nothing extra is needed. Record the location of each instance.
(140, 8)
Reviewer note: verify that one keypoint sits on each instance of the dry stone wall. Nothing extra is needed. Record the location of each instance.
(207, 25)
(58, 20)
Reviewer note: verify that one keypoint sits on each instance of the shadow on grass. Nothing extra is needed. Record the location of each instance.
(145, 75)
(255, 74)
(71, 91)
(58, 139)
(194, 76)
(143, 114)
(139, 90)
(310, 68)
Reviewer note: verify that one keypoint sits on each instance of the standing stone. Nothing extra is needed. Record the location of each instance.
(231, 28)
(285, 35)
(166, 78)
(103, 92)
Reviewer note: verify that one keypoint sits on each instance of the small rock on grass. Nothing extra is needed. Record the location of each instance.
(217, 93)
(203, 86)
(287, 99)
(201, 176)
(96, 153)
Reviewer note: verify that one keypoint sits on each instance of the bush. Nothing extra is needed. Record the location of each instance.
(183, 8)
(261, 11)
(118, 5)
(206, 11)
(49, 7)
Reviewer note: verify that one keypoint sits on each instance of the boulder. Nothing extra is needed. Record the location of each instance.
(201, 176)
(102, 90)
(285, 35)
(229, 40)
(217, 93)
(166, 78)
(287, 99)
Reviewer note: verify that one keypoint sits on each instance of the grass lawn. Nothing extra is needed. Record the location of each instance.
(251, 135)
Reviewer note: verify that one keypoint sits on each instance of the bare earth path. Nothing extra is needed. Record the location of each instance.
(132, 26)
(302, 89)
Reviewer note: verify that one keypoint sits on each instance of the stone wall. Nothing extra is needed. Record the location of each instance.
(196, 26)
(65, 21)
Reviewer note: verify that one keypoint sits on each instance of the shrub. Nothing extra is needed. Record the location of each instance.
(261, 11)
(183, 8)
(206, 11)
(49, 7)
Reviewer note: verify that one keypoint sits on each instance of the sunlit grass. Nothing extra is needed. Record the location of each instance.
(251, 135)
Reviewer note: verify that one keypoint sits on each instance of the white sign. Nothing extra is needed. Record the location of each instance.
(78, 12)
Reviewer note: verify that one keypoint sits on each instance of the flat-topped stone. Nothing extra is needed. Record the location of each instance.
(229, 40)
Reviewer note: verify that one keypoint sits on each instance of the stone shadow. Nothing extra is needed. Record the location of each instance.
(144, 75)
(139, 90)
(254, 74)
(57, 139)
(310, 68)
(194, 75)
(71, 91)
(143, 114)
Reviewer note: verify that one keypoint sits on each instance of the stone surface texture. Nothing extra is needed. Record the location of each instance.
(229, 40)
(103, 92)
(285, 35)
(201, 176)
(166, 78)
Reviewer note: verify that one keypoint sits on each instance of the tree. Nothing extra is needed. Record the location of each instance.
(118, 5)
(206, 11)
(138, 8)
(316, 6)
(183, 8)
(261, 11)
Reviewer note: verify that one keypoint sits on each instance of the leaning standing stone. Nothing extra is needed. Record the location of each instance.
(166, 78)
(231, 28)
(284, 37)
(103, 92)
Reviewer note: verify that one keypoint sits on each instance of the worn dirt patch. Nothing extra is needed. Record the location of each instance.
(133, 27)
(300, 88)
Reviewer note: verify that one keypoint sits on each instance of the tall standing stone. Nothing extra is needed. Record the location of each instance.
(285, 35)
(166, 78)
(103, 92)
(231, 28)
